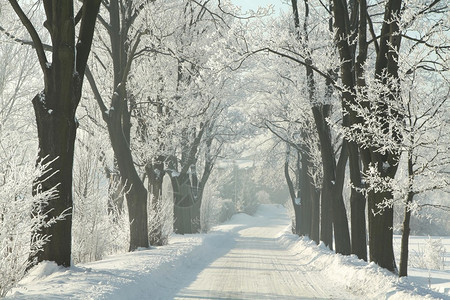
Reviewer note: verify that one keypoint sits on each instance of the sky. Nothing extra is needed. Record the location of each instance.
(253, 4)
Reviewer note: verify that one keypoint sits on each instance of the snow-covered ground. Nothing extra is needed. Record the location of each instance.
(191, 262)
(427, 265)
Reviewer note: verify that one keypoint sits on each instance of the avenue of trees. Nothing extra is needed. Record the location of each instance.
(135, 103)
(361, 67)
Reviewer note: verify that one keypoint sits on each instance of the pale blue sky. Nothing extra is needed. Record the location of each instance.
(253, 4)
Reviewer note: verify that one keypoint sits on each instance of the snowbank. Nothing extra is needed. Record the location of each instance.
(365, 279)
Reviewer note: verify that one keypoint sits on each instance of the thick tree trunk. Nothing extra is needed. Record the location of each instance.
(57, 132)
(326, 221)
(55, 109)
(386, 71)
(137, 212)
(329, 192)
(380, 232)
(342, 24)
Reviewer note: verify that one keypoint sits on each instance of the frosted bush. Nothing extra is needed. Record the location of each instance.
(97, 231)
(434, 254)
(429, 256)
(227, 210)
(21, 218)
(211, 208)
(98, 228)
(160, 216)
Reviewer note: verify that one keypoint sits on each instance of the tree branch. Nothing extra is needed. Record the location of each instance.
(97, 95)
(34, 35)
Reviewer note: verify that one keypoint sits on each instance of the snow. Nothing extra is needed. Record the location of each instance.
(417, 271)
(260, 247)
(42, 97)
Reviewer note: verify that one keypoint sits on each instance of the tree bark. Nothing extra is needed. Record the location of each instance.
(315, 216)
(186, 208)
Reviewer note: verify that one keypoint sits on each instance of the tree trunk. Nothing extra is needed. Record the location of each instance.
(381, 222)
(294, 198)
(315, 216)
(136, 194)
(55, 109)
(343, 26)
(306, 189)
(137, 211)
(186, 208)
(380, 232)
(155, 175)
(405, 237)
(57, 132)
(357, 204)
(406, 220)
(329, 192)
(326, 216)
(386, 71)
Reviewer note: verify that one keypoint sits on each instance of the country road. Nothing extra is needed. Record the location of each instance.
(258, 267)
(247, 257)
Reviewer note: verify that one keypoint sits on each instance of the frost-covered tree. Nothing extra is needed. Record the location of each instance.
(179, 114)
(21, 214)
(162, 119)
(376, 102)
(118, 44)
(55, 106)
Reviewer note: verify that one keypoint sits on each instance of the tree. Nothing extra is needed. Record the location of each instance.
(123, 28)
(21, 216)
(55, 108)
(378, 104)
(332, 208)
